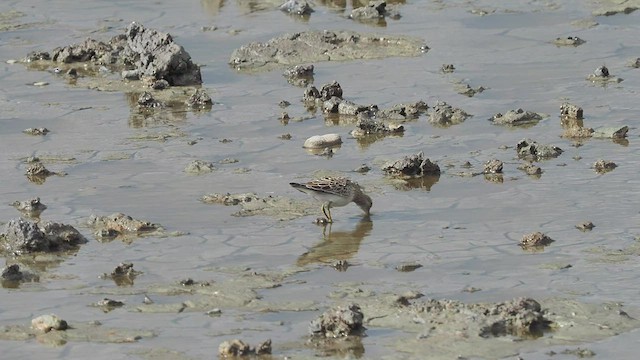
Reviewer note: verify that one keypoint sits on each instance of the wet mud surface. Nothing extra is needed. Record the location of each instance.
(146, 212)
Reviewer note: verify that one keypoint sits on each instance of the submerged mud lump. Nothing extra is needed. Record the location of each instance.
(313, 46)
(516, 117)
(118, 224)
(13, 275)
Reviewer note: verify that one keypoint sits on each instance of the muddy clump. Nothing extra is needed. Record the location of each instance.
(368, 126)
(122, 275)
(447, 68)
(238, 348)
(31, 208)
(299, 75)
(229, 199)
(493, 166)
(21, 236)
(330, 99)
(38, 174)
(36, 131)
(374, 11)
(585, 226)
(570, 111)
(199, 100)
(403, 111)
(602, 76)
(521, 317)
(412, 166)
(535, 241)
(530, 169)
(443, 114)
(118, 224)
(12, 276)
(568, 41)
(314, 46)
(518, 117)
(571, 118)
(604, 166)
(531, 150)
(198, 167)
(139, 52)
(338, 322)
(615, 132)
(466, 89)
(147, 101)
(46, 323)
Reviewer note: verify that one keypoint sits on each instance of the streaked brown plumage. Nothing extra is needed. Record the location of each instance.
(335, 192)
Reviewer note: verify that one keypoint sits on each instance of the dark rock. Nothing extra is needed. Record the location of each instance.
(331, 90)
(331, 105)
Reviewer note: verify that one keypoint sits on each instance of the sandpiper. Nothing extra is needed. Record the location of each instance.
(335, 192)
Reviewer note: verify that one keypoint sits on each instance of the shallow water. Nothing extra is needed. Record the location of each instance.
(463, 230)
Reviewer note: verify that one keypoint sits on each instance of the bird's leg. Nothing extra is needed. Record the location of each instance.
(326, 210)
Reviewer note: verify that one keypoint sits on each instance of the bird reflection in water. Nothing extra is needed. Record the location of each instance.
(337, 246)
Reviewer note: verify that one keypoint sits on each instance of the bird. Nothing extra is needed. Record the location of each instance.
(335, 192)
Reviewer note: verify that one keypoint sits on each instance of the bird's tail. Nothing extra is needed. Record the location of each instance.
(298, 186)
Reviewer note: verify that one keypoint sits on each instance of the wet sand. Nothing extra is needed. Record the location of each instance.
(464, 231)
